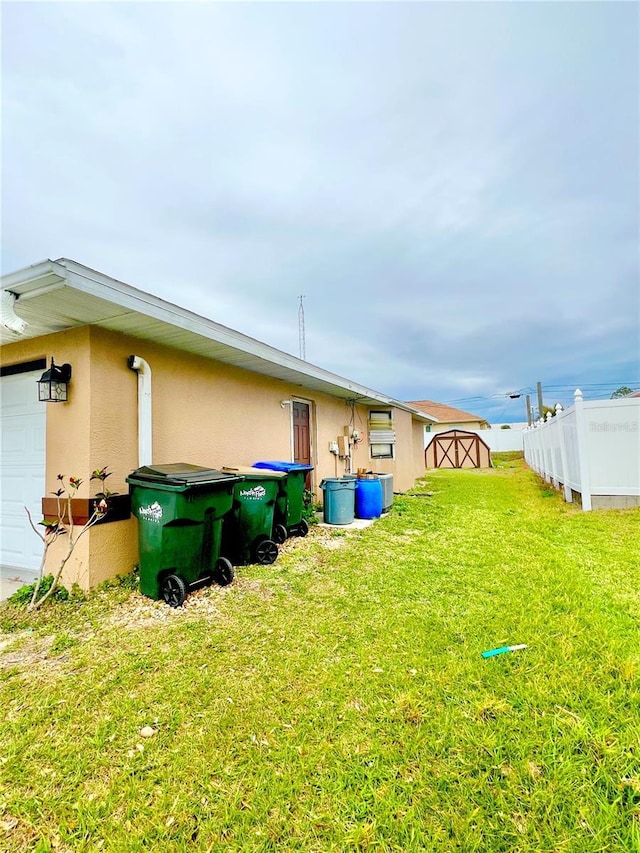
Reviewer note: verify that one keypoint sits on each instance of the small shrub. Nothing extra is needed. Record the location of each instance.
(129, 581)
(309, 507)
(24, 595)
(77, 593)
(63, 526)
(132, 580)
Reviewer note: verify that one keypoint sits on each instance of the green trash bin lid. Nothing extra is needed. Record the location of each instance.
(179, 474)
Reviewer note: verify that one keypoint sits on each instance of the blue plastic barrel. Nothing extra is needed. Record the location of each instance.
(338, 500)
(368, 498)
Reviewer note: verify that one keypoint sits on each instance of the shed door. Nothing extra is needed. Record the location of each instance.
(457, 451)
(22, 469)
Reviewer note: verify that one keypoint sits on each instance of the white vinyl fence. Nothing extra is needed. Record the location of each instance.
(501, 440)
(592, 448)
(498, 440)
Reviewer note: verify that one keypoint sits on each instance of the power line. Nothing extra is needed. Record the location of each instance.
(592, 388)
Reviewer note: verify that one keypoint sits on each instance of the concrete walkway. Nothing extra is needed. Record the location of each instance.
(356, 524)
(11, 579)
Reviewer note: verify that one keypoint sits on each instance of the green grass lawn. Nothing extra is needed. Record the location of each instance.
(338, 700)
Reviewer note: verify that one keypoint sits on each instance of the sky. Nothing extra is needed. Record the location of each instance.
(452, 187)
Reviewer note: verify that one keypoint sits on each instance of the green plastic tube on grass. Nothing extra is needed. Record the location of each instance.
(492, 652)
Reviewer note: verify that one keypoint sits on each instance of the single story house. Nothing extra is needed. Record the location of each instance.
(446, 418)
(154, 383)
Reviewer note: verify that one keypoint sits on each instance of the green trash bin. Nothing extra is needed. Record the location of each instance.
(180, 508)
(290, 501)
(248, 529)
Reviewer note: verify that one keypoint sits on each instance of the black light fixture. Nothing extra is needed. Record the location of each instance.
(53, 384)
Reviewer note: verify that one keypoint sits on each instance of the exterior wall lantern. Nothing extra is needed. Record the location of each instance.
(53, 384)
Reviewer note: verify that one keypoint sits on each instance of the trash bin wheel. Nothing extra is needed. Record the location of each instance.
(173, 590)
(303, 528)
(265, 552)
(224, 572)
(280, 534)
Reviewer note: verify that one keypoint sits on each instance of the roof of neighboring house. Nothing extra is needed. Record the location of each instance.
(446, 414)
(53, 296)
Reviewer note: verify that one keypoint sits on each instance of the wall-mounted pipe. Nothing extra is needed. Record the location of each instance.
(145, 417)
(8, 317)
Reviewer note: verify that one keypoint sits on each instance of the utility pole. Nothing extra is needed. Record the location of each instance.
(528, 403)
(539, 386)
(301, 337)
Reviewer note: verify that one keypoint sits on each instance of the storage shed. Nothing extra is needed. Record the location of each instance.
(457, 448)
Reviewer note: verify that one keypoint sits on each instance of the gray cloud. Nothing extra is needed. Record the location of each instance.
(454, 187)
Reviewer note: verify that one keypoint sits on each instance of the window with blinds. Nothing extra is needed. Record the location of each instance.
(382, 437)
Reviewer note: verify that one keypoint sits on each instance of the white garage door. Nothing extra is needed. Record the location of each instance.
(22, 469)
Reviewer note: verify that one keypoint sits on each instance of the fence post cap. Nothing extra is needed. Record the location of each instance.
(578, 395)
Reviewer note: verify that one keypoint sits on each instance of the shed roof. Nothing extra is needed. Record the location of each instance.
(54, 296)
(446, 414)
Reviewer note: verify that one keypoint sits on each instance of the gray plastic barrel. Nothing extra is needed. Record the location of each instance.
(387, 491)
(339, 500)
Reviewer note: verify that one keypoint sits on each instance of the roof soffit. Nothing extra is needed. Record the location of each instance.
(57, 295)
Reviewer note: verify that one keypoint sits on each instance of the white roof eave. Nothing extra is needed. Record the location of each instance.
(227, 345)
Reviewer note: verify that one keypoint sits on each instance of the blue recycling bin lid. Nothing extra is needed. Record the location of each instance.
(280, 465)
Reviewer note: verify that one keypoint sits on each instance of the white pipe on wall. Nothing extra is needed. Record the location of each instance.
(145, 418)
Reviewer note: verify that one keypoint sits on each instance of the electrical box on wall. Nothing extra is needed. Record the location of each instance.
(343, 445)
(333, 447)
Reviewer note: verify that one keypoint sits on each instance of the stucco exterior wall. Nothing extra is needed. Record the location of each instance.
(418, 460)
(113, 550)
(74, 448)
(204, 412)
(408, 462)
(212, 414)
